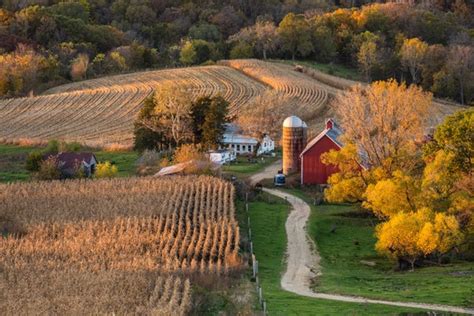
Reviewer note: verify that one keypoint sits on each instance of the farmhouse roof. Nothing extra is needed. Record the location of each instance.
(71, 159)
(229, 138)
(332, 131)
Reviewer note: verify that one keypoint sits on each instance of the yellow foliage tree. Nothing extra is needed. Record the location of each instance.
(413, 235)
(397, 238)
(387, 197)
(106, 170)
(350, 182)
(412, 53)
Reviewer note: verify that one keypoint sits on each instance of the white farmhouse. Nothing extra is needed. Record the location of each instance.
(245, 145)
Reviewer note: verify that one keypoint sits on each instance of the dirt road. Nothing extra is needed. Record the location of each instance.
(268, 173)
(303, 258)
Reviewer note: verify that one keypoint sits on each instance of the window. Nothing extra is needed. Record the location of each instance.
(250, 148)
(238, 147)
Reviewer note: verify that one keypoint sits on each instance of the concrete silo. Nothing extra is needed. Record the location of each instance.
(293, 142)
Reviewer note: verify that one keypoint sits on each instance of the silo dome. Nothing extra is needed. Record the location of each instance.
(293, 121)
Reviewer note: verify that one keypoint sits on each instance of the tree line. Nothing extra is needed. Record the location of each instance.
(48, 44)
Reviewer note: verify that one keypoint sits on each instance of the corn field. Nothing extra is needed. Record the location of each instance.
(119, 229)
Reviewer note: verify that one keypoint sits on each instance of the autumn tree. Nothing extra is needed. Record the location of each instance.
(368, 57)
(169, 114)
(350, 182)
(195, 157)
(295, 35)
(79, 67)
(460, 65)
(397, 238)
(455, 136)
(264, 114)
(262, 35)
(390, 196)
(410, 236)
(384, 120)
(412, 54)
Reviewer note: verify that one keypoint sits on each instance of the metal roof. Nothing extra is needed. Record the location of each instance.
(229, 138)
(333, 134)
(292, 121)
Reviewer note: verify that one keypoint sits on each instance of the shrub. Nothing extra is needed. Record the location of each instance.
(49, 170)
(106, 170)
(34, 160)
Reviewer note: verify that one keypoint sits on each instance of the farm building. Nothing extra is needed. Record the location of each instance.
(293, 142)
(222, 156)
(188, 167)
(313, 170)
(68, 163)
(245, 145)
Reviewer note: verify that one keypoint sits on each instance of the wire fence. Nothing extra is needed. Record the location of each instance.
(255, 276)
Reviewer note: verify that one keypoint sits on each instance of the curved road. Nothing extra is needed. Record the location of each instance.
(303, 259)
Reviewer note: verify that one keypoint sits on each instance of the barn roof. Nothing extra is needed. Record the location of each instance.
(333, 134)
(71, 159)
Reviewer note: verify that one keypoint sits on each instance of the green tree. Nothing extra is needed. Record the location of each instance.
(455, 136)
(213, 127)
(241, 50)
(295, 35)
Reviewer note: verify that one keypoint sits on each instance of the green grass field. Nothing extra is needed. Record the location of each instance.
(13, 159)
(353, 240)
(12, 163)
(267, 217)
(243, 168)
(337, 70)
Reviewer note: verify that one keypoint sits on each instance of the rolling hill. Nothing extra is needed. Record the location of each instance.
(100, 112)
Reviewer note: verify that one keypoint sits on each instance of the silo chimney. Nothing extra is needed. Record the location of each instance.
(293, 142)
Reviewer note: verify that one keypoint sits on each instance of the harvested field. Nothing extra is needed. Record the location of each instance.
(101, 112)
(114, 245)
(283, 78)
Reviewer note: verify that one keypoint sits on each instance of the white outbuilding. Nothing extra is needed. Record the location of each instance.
(222, 156)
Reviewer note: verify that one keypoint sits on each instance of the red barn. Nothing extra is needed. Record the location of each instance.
(313, 170)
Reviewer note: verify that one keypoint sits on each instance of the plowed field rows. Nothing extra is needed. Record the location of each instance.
(101, 112)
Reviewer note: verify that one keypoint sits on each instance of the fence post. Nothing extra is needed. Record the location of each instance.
(264, 307)
(251, 247)
(260, 298)
(254, 270)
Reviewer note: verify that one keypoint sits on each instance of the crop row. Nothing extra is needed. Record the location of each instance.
(101, 112)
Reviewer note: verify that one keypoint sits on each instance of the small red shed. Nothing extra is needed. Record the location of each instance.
(313, 170)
